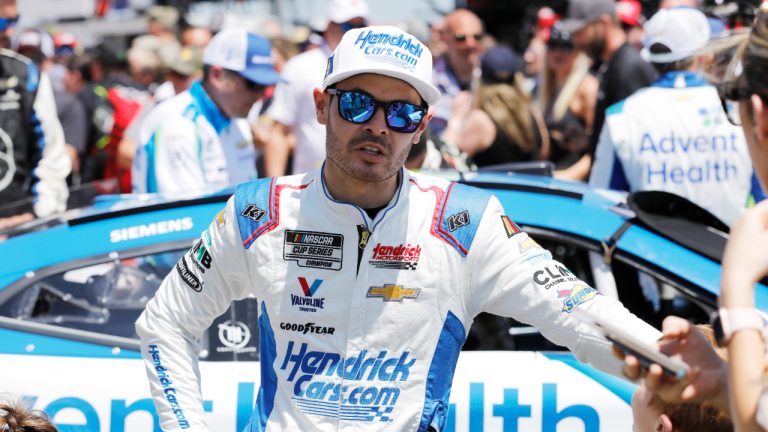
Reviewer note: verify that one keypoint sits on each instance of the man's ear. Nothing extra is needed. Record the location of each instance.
(664, 424)
(216, 74)
(422, 128)
(760, 116)
(321, 104)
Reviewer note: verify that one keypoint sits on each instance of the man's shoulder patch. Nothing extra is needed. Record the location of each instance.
(459, 214)
(254, 209)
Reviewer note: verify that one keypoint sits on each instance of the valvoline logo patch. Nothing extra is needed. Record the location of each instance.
(309, 290)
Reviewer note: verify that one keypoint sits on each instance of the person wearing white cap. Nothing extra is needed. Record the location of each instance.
(368, 276)
(199, 139)
(292, 109)
(674, 135)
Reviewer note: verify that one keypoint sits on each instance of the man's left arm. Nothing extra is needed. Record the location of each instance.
(513, 276)
(50, 174)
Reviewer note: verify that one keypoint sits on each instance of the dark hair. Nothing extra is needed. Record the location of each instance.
(755, 57)
(81, 64)
(678, 65)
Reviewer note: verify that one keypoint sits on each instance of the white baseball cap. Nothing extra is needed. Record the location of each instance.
(242, 52)
(341, 11)
(383, 50)
(684, 30)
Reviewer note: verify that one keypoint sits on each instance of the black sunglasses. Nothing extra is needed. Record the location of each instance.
(731, 93)
(356, 106)
(464, 37)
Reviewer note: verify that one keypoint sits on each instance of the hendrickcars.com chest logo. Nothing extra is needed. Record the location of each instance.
(370, 389)
(151, 229)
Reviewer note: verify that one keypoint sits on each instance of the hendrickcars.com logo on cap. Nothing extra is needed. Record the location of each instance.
(398, 48)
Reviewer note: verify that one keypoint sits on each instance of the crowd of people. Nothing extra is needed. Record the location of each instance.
(608, 96)
(564, 100)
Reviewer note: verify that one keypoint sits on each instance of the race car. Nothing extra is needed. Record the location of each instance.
(70, 293)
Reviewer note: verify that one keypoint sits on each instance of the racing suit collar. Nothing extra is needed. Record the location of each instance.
(680, 79)
(350, 211)
(209, 109)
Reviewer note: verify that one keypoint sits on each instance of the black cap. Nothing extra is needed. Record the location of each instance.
(500, 64)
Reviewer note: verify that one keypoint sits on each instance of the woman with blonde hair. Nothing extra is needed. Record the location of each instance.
(567, 98)
(502, 126)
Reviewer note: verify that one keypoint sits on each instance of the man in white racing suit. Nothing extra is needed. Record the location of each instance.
(367, 276)
(199, 139)
(673, 136)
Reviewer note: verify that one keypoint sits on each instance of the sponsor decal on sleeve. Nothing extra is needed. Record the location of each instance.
(510, 227)
(392, 292)
(220, 221)
(164, 377)
(552, 275)
(578, 294)
(187, 276)
(458, 220)
(527, 244)
(254, 213)
(314, 249)
(400, 257)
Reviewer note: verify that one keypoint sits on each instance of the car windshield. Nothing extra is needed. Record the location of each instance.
(101, 297)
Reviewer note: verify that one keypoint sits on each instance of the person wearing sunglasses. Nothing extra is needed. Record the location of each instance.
(292, 110)
(34, 164)
(391, 267)
(458, 69)
(199, 139)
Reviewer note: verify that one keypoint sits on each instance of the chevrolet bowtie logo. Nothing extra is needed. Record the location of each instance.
(391, 292)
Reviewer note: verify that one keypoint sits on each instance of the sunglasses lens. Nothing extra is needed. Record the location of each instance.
(6, 23)
(355, 107)
(404, 117)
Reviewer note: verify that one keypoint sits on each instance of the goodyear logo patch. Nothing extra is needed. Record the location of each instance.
(314, 249)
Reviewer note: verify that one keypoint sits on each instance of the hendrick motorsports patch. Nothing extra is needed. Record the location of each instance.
(314, 249)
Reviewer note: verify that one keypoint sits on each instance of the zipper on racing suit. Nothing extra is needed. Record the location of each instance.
(362, 241)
